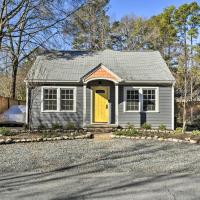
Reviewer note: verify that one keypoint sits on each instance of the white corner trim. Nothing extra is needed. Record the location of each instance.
(172, 106)
(117, 104)
(84, 104)
(27, 103)
(58, 98)
(141, 98)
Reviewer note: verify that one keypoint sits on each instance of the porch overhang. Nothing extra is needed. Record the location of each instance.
(101, 73)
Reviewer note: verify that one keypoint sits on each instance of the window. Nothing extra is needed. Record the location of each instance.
(67, 99)
(141, 99)
(50, 99)
(132, 100)
(58, 99)
(149, 99)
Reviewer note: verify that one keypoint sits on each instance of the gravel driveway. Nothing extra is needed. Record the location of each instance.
(89, 169)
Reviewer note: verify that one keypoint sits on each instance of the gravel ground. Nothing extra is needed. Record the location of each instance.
(89, 169)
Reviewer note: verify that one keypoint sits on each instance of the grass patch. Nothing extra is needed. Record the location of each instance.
(6, 131)
(127, 132)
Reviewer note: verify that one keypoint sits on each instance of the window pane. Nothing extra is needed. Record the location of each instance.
(132, 100)
(50, 99)
(67, 99)
(149, 100)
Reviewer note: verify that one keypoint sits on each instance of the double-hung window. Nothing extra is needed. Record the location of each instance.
(149, 100)
(56, 99)
(132, 100)
(141, 99)
(49, 99)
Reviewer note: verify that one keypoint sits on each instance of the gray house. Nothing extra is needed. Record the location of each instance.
(110, 88)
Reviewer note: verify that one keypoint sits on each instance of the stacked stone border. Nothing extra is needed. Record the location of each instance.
(155, 137)
(73, 136)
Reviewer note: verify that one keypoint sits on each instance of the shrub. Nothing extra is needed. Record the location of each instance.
(130, 126)
(178, 130)
(196, 132)
(162, 127)
(42, 127)
(129, 132)
(55, 126)
(70, 126)
(146, 126)
(5, 131)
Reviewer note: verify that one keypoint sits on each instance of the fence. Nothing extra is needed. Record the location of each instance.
(6, 103)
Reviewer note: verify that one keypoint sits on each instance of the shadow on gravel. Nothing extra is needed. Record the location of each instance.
(102, 188)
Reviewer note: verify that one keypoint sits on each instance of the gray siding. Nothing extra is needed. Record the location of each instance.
(48, 118)
(164, 116)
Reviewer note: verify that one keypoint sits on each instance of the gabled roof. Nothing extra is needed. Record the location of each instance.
(72, 66)
(101, 72)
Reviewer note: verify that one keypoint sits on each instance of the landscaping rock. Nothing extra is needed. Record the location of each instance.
(149, 138)
(2, 141)
(8, 141)
(65, 137)
(160, 139)
(23, 140)
(175, 140)
(193, 141)
(143, 138)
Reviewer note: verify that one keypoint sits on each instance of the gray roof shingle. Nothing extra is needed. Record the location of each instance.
(73, 65)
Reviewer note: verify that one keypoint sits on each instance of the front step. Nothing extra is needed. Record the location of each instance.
(101, 128)
(102, 136)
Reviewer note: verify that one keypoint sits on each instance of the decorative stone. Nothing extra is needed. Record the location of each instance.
(65, 137)
(149, 138)
(143, 138)
(160, 139)
(175, 140)
(49, 139)
(2, 141)
(170, 139)
(193, 141)
(155, 137)
(23, 140)
(8, 141)
(39, 139)
(28, 140)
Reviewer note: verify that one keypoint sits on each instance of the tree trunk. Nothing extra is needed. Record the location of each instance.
(14, 78)
(185, 83)
(191, 84)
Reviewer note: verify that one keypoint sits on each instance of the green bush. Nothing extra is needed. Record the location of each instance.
(42, 127)
(146, 126)
(55, 126)
(178, 130)
(70, 126)
(130, 126)
(5, 131)
(196, 132)
(162, 127)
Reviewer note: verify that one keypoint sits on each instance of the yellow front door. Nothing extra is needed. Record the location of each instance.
(100, 104)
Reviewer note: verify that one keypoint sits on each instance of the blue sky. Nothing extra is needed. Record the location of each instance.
(144, 8)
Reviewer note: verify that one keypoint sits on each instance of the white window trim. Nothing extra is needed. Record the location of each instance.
(58, 99)
(141, 99)
(125, 99)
